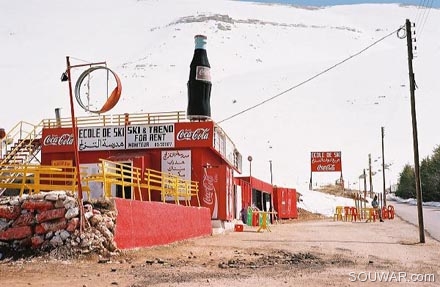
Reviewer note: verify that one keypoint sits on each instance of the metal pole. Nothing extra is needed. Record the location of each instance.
(370, 174)
(271, 196)
(75, 132)
(271, 175)
(383, 167)
(365, 189)
(415, 137)
(75, 147)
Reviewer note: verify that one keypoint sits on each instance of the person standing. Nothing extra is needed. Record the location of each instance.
(375, 205)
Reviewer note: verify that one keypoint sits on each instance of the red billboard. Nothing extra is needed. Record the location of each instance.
(57, 140)
(326, 161)
(194, 134)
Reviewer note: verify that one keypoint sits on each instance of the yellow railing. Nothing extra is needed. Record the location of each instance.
(35, 178)
(20, 142)
(118, 120)
(171, 187)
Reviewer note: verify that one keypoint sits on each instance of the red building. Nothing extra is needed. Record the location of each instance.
(265, 197)
(167, 142)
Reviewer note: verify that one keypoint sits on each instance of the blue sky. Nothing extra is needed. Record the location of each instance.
(427, 3)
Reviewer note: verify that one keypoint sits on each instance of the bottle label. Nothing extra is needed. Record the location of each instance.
(203, 74)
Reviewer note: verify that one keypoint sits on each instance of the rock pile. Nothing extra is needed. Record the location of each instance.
(51, 221)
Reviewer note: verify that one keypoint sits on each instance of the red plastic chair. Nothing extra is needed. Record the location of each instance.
(347, 213)
(354, 214)
(390, 212)
(384, 212)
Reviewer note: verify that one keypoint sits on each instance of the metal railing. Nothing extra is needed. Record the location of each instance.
(23, 142)
(119, 120)
(171, 187)
(32, 178)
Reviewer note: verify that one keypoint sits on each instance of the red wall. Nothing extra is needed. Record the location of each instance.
(215, 183)
(285, 202)
(143, 224)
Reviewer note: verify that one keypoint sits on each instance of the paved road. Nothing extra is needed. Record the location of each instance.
(431, 217)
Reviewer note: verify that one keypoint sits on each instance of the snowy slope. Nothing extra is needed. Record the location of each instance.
(256, 52)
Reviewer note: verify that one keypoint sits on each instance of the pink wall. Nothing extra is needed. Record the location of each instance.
(143, 224)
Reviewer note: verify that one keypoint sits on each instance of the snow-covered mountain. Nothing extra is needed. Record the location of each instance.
(256, 52)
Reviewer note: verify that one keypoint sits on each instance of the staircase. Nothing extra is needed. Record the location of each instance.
(21, 145)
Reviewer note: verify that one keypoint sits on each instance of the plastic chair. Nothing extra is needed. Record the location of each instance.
(384, 212)
(372, 214)
(347, 213)
(354, 213)
(390, 212)
(338, 213)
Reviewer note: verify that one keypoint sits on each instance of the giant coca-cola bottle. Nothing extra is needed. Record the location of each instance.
(199, 84)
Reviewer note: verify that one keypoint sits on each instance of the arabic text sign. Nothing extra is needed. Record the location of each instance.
(150, 136)
(101, 138)
(326, 161)
(177, 162)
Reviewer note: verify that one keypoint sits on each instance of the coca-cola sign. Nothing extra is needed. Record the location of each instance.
(58, 140)
(193, 135)
(326, 161)
(326, 167)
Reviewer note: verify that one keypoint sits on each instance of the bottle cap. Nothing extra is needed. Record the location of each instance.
(200, 41)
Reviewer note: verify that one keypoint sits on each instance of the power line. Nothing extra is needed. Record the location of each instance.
(311, 78)
(423, 10)
(425, 19)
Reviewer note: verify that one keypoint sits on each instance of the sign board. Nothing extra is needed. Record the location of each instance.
(175, 135)
(101, 138)
(177, 162)
(327, 161)
(150, 136)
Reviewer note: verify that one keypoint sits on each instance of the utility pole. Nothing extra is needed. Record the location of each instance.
(365, 189)
(383, 167)
(414, 128)
(370, 174)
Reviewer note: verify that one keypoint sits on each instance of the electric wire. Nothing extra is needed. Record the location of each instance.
(425, 19)
(423, 10)
(312, 77)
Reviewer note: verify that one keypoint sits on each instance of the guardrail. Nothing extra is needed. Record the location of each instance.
(171, 187)
(35, 178)
(119, 120)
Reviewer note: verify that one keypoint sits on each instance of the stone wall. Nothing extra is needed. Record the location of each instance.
(50, 221)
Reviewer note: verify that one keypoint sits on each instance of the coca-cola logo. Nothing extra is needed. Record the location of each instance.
(61, 140)
(196, 135)
(328, 167)
(203, 73)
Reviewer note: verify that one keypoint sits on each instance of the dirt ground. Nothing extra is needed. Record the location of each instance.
(306, 252)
